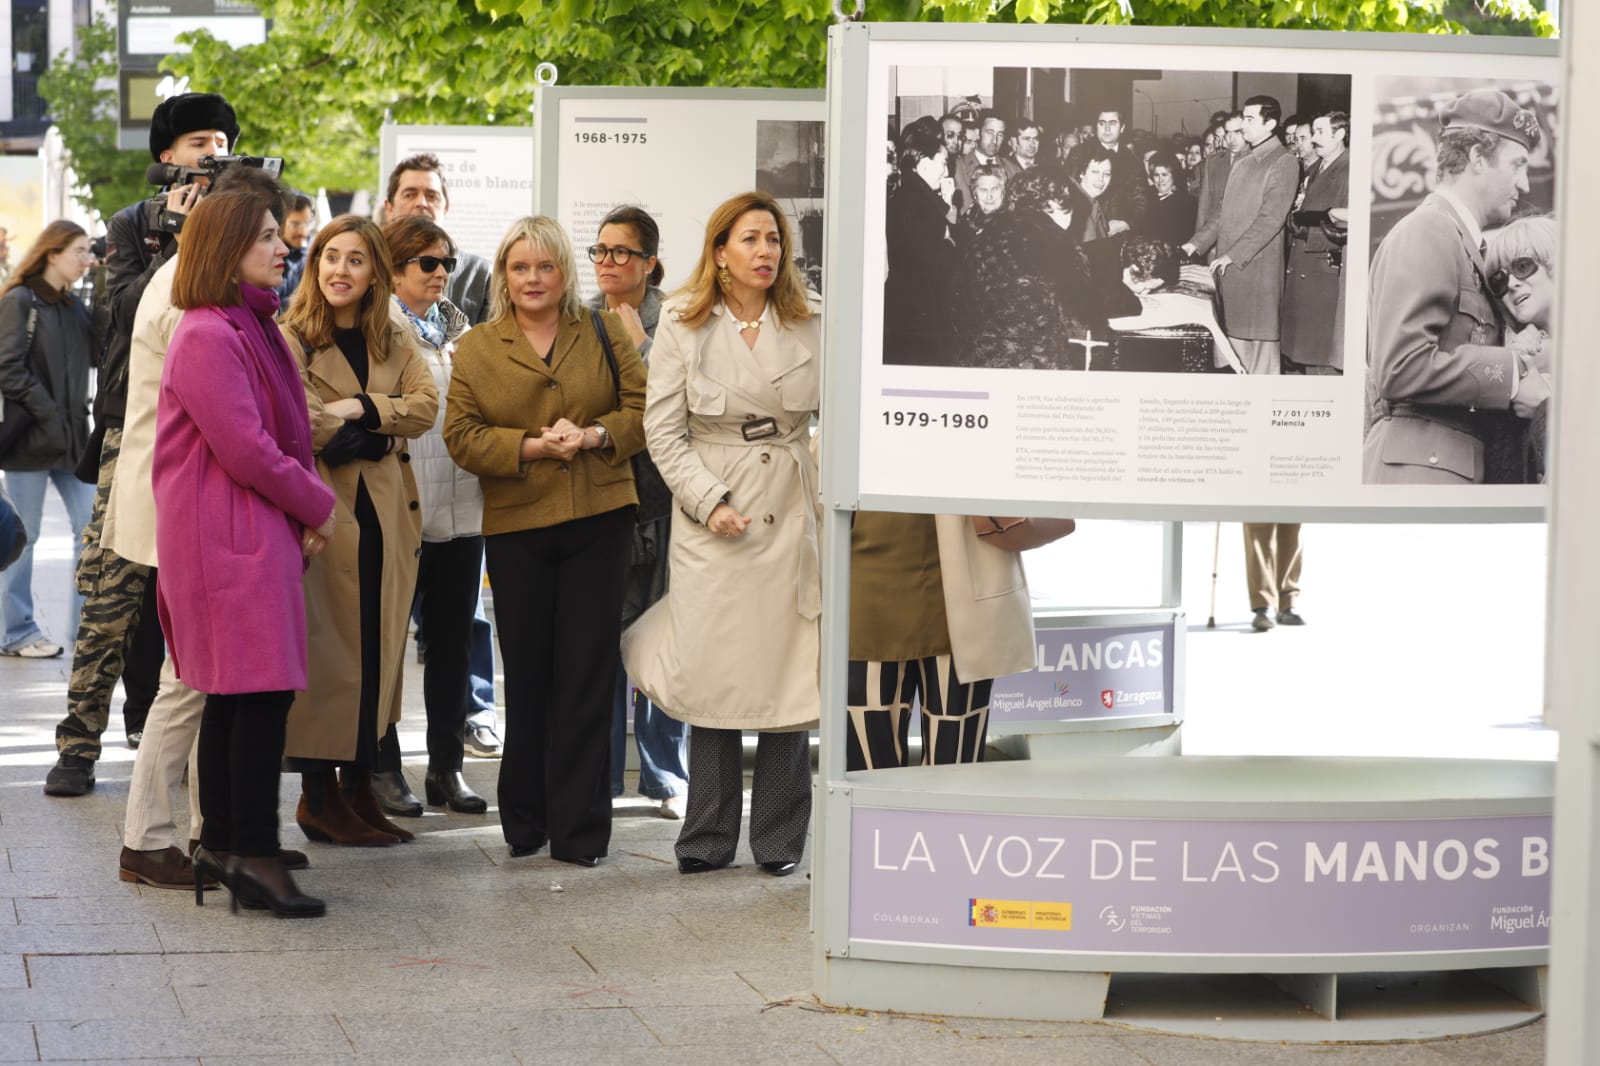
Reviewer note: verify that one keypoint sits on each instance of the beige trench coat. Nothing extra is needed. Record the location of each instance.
(323, 720)
(733, 644)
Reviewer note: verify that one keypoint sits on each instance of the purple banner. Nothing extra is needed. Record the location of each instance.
(1149, 886)
(1111, 671)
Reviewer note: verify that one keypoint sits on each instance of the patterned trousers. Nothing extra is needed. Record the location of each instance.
(780, 796)
(955, 713)
(113, 589)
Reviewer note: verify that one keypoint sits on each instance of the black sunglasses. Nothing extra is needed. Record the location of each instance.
(619, 254)
(1523, 267)
(430, 263)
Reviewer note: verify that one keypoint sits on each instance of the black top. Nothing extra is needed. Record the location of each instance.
(353, 343)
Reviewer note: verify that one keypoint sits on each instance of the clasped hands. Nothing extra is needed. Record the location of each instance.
(561, 441)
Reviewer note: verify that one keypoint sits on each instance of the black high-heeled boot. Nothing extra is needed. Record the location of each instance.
(207, 868)
(211, 871)
(264, 881)
(447, 788)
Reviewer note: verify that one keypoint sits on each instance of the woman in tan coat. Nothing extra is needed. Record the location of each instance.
(369, 390)
(733, 644)
(546, 406)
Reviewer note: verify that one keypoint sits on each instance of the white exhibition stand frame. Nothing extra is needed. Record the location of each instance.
(948, 974)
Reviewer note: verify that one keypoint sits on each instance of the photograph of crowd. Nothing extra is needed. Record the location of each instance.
(1107, 219)
(1462, 285)
(790, 167)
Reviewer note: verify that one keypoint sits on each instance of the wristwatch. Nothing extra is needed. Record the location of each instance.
(600, 431)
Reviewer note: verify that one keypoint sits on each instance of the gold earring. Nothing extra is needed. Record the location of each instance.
(724, 278)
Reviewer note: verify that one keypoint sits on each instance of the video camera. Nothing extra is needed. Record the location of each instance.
(210, 166)
(165, 174)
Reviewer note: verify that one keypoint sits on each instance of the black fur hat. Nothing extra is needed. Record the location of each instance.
(187, 112)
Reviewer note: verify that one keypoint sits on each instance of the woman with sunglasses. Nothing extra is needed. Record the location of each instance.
(627, 271)
(1520, 261)
(44, 374)
(375, 392)
(452, 522)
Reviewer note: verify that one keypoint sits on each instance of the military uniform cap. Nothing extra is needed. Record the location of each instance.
(1493, 112)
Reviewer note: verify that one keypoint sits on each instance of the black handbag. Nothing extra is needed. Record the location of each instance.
(16, 420)
(655, 499)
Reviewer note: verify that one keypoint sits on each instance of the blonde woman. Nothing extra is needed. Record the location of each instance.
(546, 406)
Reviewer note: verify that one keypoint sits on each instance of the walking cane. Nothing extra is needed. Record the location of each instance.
(1216, 551)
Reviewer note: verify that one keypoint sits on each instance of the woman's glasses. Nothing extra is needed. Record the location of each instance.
(619, 254)
(1523, 267)
(430, 263)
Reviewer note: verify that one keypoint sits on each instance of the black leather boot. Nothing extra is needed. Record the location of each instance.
(394, 795)
(447, 788)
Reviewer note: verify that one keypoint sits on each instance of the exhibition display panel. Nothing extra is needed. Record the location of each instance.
(1017, 889)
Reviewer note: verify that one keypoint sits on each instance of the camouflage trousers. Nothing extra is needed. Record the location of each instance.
(113, 589)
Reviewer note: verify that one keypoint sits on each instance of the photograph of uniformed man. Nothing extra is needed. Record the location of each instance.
(1451, 393)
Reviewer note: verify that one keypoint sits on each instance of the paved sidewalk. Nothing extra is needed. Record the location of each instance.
(446, 951)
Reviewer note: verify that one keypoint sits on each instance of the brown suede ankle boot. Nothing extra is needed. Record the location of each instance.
(323, 815)
(356, 785)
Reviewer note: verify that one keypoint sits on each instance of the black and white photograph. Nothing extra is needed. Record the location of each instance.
(790, 165)
(1462, 285)
(1167, 221)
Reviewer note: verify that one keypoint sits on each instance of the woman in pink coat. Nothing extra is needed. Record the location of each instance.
(239, 508)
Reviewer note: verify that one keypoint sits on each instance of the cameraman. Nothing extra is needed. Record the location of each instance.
(119, 634)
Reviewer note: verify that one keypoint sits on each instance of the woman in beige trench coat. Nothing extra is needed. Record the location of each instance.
(374, 391)
(734, 378)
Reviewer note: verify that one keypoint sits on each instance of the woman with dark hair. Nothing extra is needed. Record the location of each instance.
(1171, 212)
(546, 407)
(451, 559)
(733, 645)
(44, 374)
(238, 509)
(371, 391)
(627, 272)
(1029, 299)
(922, 260)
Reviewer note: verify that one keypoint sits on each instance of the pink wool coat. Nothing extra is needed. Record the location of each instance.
(235, 489)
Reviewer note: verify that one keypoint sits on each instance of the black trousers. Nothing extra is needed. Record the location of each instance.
(447, 598)
(241, 750)
(558, 612)
(141, 676)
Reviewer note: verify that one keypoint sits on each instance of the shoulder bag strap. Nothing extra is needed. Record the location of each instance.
(605, 344)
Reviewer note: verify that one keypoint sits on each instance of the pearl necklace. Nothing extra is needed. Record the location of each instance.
(754, 323)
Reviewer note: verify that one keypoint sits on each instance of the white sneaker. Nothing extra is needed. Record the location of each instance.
(39, 649)
(672, 807)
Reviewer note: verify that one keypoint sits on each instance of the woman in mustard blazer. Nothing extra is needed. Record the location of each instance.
(548, 420)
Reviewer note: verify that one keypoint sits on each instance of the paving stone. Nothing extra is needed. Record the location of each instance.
(534, 1036)
(126, 938)
(134, 1037)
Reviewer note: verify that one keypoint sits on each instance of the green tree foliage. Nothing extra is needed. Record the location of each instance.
(84, 106)
(316, 93)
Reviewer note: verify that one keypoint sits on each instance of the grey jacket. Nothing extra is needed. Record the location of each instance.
(452, 500)
(49, 379)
